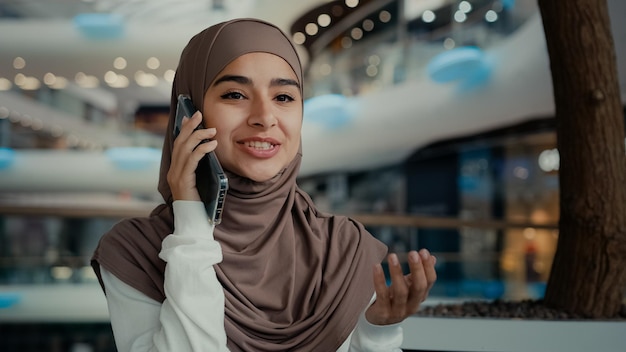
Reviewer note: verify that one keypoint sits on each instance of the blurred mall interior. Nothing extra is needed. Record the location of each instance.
(432, 121)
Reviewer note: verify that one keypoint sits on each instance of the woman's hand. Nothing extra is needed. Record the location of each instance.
(187, 151)
(400, 300)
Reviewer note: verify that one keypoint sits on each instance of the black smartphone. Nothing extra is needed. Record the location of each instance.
(211, 180)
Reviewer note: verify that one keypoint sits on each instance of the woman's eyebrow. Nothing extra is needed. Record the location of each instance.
(284, 82)
(247, 81)
(233, 78)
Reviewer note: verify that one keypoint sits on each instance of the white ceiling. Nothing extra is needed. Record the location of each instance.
(49, 41)
(392, 123)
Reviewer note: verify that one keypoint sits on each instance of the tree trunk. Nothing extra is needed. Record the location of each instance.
(588, 274)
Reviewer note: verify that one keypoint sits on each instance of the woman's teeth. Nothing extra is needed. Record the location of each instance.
(259, 145)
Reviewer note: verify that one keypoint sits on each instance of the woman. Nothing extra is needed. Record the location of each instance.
(276, 274)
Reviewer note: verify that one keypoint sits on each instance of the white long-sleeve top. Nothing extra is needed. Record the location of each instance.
(191, 318)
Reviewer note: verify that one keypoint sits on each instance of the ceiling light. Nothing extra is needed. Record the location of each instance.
(449, 43)
(356, 33)
(19, 79)
(49, 78)
(169, 75)
(72, 140)
(371, 70)
(27, 82)
(520, 172)
(86, 81)
(144, 79)
(346, 42)
(115, 80)
(5, 84)
(325, 69)
(120, 81)
(368, 25)
(119, 63)
(299, 38)
(59, 83)
(374, 60)
(384, 16)
(352, 3)
(549, 160)
(465, 6)
(323, 20)
(53, 81)
(491, 16)
(37, 124)
(26, 120)
(428, 16)
(56, 131)
(14, 116)
(32, 83)
(311, 29)
(460, 16)
(19, 63)
(153, 63)
(61, 272)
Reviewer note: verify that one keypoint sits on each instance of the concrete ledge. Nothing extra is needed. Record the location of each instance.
(61, 303)
(500, 335)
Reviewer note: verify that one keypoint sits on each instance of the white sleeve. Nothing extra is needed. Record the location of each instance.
(192, 316)
(368, 337)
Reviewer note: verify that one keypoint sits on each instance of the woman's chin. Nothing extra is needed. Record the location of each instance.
(259, 175)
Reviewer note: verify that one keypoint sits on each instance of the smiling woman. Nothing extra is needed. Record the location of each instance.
(276, 273)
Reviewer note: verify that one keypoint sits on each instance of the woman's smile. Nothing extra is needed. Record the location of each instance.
(260, 147)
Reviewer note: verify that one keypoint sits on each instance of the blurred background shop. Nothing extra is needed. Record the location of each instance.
(429, 120)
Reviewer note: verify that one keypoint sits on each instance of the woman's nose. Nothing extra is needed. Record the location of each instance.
(262, 114)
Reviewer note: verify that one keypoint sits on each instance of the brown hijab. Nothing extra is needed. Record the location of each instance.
(294, 278)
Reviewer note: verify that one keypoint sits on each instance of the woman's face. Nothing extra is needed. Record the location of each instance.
(256, 107)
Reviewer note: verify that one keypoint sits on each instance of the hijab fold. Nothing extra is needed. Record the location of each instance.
(294, 278)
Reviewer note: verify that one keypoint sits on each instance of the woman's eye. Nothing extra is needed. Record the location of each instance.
(233, 95)
(284, 98)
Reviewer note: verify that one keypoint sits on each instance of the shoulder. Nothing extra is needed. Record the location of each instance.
(140, 230)
(130, 251)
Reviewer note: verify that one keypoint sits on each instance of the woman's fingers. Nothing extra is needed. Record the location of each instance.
(429, 262)
(195, 155)
(418, 283)
(188, 150)
(399, 289)
(189, 138)
(380, 285)
(378, 312)
(189, 124)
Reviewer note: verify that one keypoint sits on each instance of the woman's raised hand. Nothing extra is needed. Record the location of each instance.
(187, 151)
(403, 297)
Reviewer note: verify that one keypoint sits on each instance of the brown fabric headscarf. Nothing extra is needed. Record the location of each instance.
(294, 278)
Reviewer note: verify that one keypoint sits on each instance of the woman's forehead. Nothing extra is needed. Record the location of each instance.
(260, 63)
